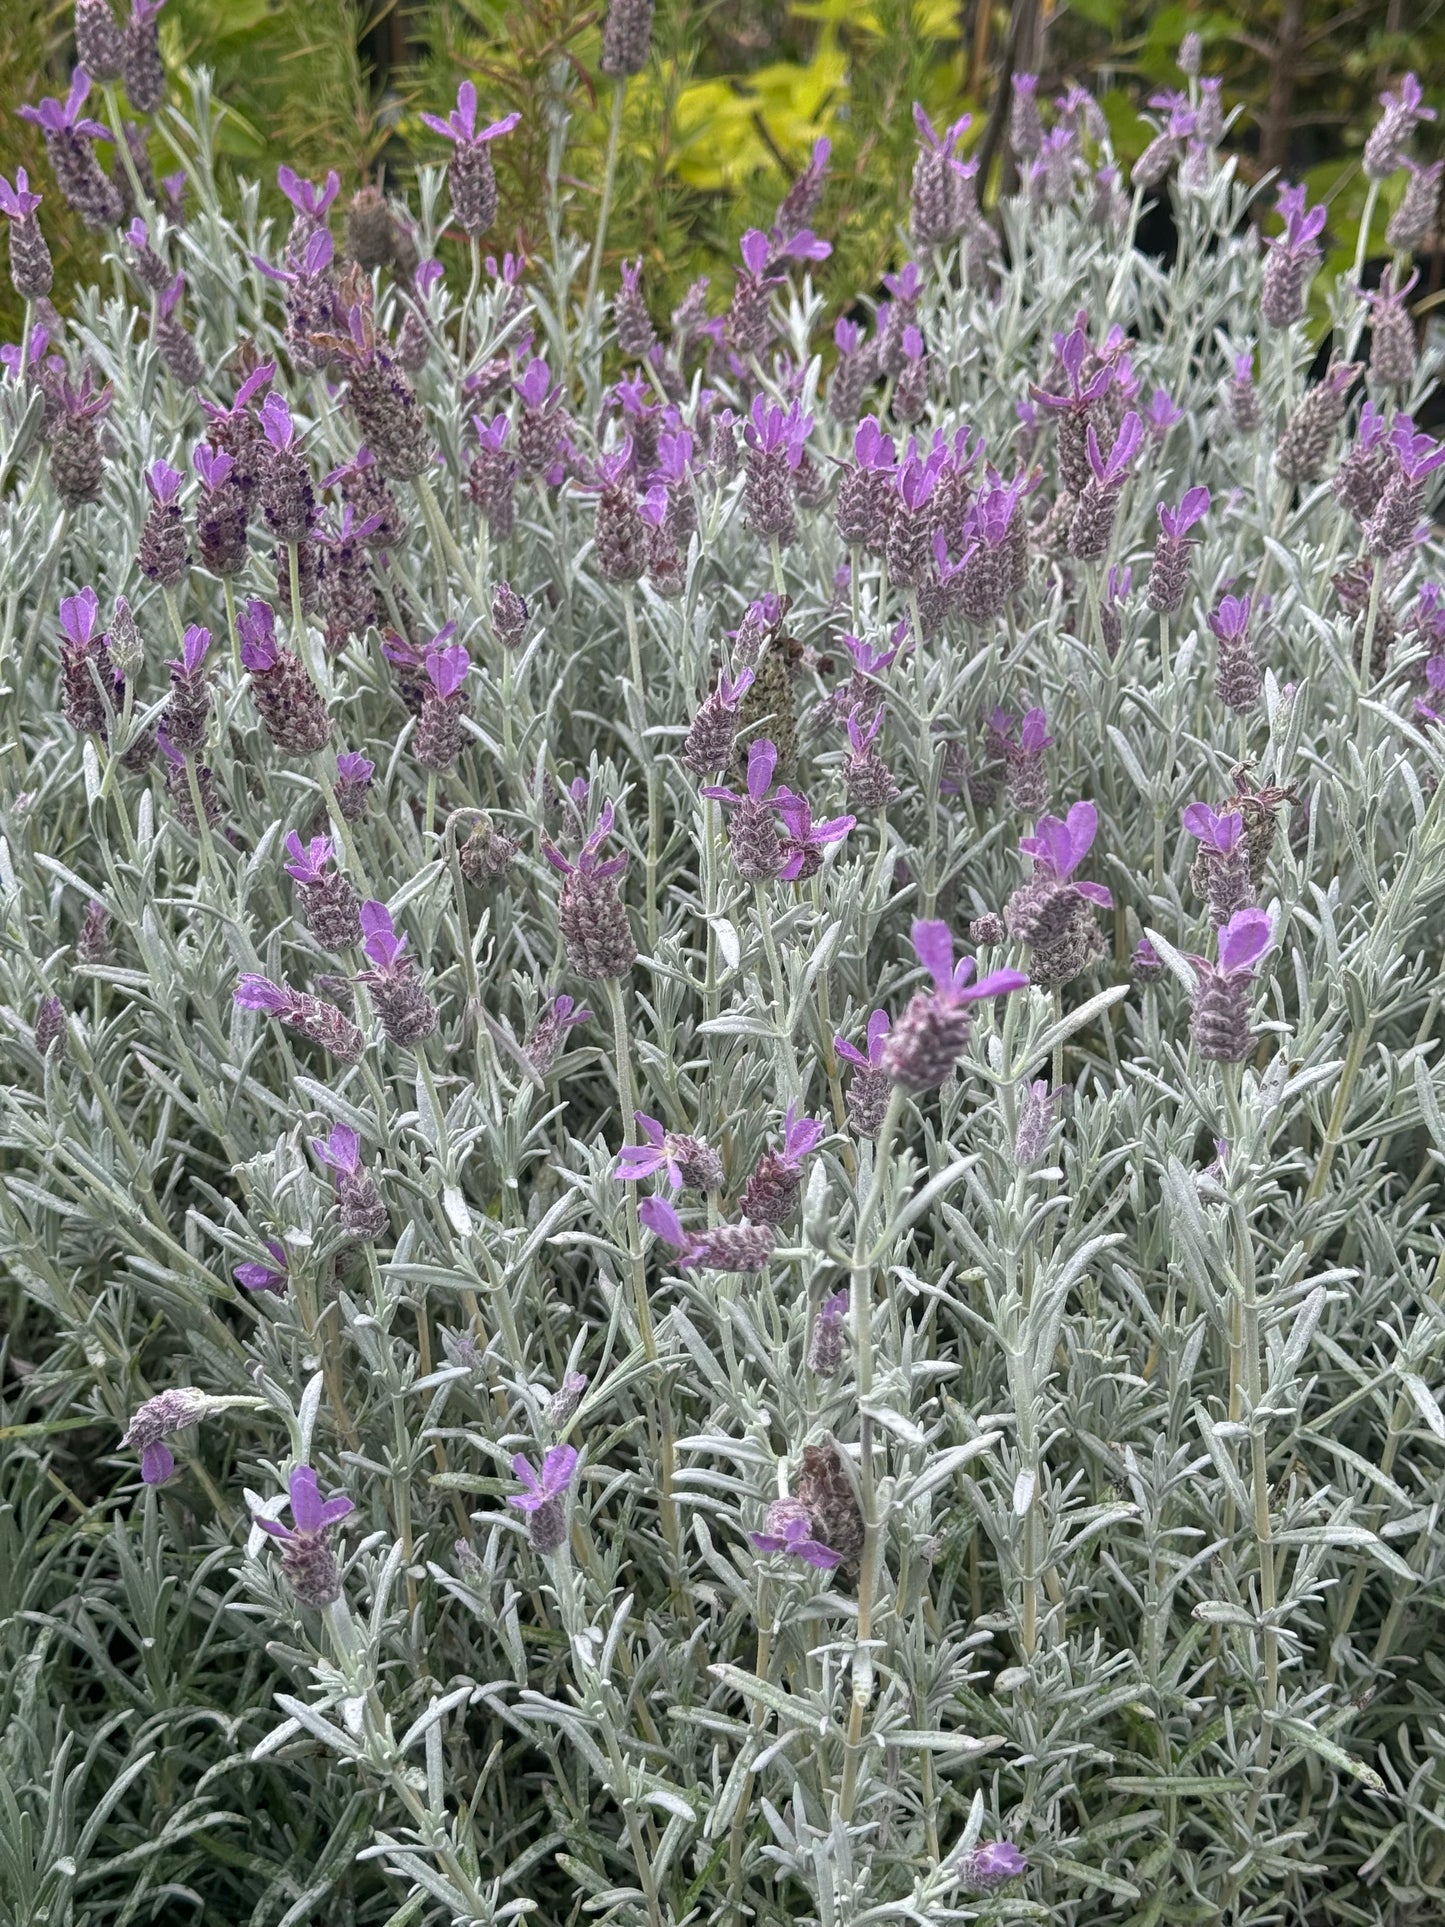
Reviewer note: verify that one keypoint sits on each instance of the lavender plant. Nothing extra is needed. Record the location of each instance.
(828, 1428)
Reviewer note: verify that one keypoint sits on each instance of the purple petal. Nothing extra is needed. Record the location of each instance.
(306, 1507)
(879, 1025)
(557, 1469)
(659, 1217)
(1083, 821)
(933, 945)
(259, 993)
(156, 1463)
(1053, 845)
(527, 1475)
(1244, 940)
(254, 1276)
(762, 761)
(998, 983)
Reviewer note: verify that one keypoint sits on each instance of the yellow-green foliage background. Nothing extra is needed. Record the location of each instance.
(730, 106)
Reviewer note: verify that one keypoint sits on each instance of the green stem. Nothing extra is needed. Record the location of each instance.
(203, 826)
(654, 798)
(1357, 267)
(127, 159)
(710, 868)
(787, 1058)
(1334, 1133)
(445, 541)
(861, 1280)
(343, 830)
(626, 1102)
(609, 173)
(1253, 1388)
(301, 628)
(1372, 617)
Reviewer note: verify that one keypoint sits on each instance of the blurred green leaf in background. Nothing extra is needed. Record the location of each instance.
(735, 97)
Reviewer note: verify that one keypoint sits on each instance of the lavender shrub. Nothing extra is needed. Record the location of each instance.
(718, 1406)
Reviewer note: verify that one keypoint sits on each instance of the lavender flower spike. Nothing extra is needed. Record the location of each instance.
(933, 1032)
(407, 1014)
(1219, 1023)
(471, 177)
(825, 1351)
(757, 850)
(306, 1556)
(596, 935)
(870, 1086)
(729, 1247)
(1221, 875)
(544, 1498)
(772, 1192)
(1052, 913)
(1169, 572)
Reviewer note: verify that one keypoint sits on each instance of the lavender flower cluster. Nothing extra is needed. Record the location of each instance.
(780, 1418)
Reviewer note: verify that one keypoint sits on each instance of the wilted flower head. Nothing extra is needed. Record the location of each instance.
(157, 1419)
(987, 1867)
(790, 1529)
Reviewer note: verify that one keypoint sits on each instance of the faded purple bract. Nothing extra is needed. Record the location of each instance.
(154, 1421)
(790, 1530)
(986, 1868)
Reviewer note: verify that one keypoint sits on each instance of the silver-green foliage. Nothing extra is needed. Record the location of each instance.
(1153, 1449)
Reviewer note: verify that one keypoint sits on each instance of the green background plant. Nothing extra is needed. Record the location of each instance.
(732, 102)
